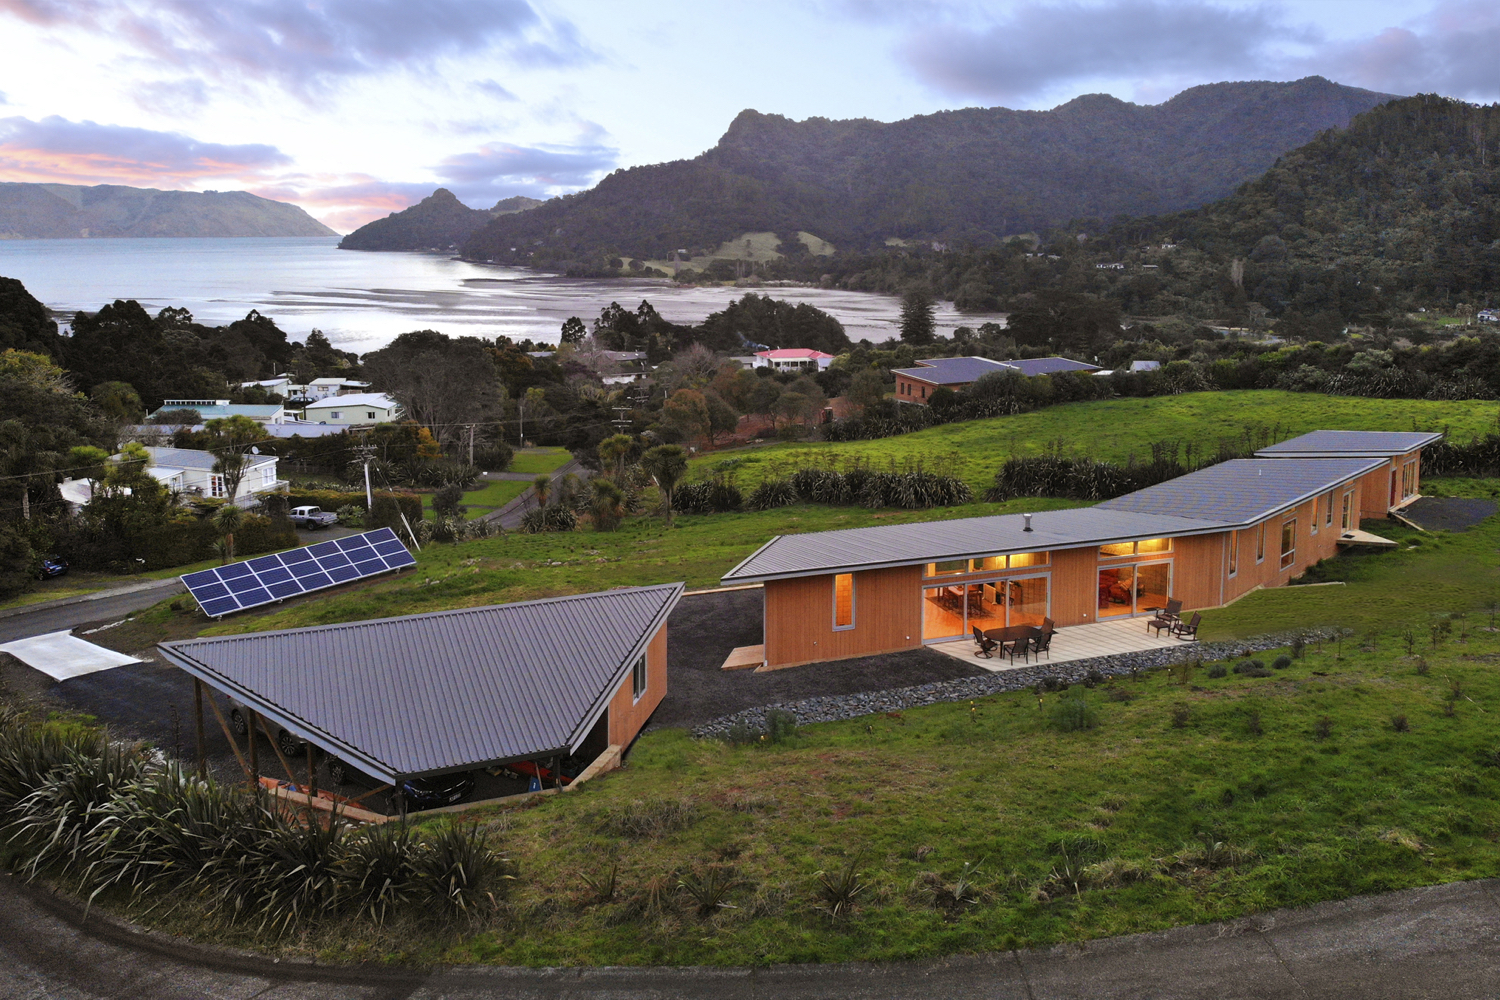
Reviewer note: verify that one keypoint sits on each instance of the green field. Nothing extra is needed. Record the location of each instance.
(534, 461)
(1116, 430)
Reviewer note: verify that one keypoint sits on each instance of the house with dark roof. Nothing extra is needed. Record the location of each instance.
(431, 694)
(1391, 486)
(915, 385)
(1205, 539)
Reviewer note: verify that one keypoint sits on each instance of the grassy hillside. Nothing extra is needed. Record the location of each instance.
(1115, 430)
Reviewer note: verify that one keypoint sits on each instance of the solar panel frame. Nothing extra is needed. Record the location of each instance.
(276, 577)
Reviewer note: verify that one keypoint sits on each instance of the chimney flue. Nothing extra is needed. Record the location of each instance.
(1027, 519)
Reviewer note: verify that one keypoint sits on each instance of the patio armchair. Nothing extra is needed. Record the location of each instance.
(1189, 629)
(1166, 617)
(1042, 643)
(1014, 647)
(987, 646)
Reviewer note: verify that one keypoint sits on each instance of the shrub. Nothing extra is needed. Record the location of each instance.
(1299, 647)
(448, 501)
(1281, 662)
(781, 725)
(540, 519)
(710, 887)
(1399, 724)
(644, 819)
(707, 495)
(1071, 715)
(1217, 671)
(351, 515)
(838, 892)
(770, 494)
(1251, 668)
(1181, 716)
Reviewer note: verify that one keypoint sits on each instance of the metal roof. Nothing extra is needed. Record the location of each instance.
(447, 691)
(190, 458)
(1243, 490)
(1354, 444)
(1049, 366)
(936, 541)
(952, 371)
(1229, 495)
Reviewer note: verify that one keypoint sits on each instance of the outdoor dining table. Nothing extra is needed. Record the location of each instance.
(1012, 632)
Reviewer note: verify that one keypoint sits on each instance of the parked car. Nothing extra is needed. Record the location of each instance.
(51, 566)
(421, 793)
(290, 744)
(312, 517)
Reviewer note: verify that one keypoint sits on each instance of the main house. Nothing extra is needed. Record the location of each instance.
(1205, 539)
(915, 385)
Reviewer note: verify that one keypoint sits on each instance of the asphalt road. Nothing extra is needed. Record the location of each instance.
(1424, 943)
(56, 619)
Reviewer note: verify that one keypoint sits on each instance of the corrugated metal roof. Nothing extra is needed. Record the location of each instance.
(450, 690)
(936, 541)
(1243, 490)
(1050, 366)
(1228, 495)
(952, 371)
(190, 458)
(1354, 444)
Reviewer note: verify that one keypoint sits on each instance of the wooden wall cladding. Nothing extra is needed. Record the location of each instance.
(626, 715)
(799, 617)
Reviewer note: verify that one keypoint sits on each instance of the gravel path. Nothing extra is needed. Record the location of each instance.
(1447, 513)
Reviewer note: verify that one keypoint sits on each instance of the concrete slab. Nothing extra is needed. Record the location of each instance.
(61, 655)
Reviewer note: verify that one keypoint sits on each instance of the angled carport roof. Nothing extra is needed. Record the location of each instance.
(447, 691)
(1351, 444)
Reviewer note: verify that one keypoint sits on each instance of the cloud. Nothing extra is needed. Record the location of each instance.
(172, 97)
(56, 149)
(307, 45)
(3, 99)
(493, 89)
(1039, 47)
(499, 169)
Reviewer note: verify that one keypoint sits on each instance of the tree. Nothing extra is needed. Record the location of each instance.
(119, 401)
(541, 487)
(613, 452)
(24, 323)
(607, 503)
(866, 391)
(917, 326)
(666, 464)
(443, 383)
(17, 560)
(687, 410)
(229, 439)
(227, 520)
(573, 330)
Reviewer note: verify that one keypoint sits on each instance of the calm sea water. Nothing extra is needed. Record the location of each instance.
(363, 300)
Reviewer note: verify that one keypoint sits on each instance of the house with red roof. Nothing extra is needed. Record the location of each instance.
(791, 359)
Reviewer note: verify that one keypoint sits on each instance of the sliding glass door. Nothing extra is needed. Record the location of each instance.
(953, 611)
(1133, 588)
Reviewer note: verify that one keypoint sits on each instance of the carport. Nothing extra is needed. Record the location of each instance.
(432, 694)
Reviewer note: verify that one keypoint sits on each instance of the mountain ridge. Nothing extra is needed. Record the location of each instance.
(976, 174)
(436, 222)
(70, 211)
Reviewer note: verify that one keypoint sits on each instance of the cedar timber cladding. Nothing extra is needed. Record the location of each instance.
(627, 715)
(1075, 574)
(799, 617)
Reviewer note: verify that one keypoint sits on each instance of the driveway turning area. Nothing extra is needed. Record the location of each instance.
(61, 655)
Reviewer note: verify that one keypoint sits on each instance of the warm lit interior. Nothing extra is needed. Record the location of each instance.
(1133, 589)
(957, 609)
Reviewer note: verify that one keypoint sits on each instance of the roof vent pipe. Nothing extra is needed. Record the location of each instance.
(1027, 519)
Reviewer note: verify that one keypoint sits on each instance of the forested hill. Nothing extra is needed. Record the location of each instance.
(437, 222)
(975, 174)
(69, 211)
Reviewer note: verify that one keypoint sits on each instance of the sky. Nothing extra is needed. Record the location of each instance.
(356, 108)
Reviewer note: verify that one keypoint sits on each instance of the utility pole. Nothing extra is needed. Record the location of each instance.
(471, 444)
(366, 452)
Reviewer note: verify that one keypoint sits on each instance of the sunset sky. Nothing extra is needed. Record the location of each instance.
(355, 108)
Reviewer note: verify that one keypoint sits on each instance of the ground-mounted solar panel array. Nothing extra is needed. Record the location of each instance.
(267, 579)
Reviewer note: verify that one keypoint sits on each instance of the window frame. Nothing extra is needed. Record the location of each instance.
(853, 614)
(1345, 519)
(1288, 555)
(1328, 520)
(1260, 543)
(640, 678)
(1234, 554)
(217, 488)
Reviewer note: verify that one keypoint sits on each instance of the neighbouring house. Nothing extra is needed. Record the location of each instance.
(793, 359)
(1390, 486)
(355, 409)
(1205, 538)
(191, 472)
(1488, 316)
(333, 385)
(215, 409)
(1145, 366)
(915, 385)
(567, 678)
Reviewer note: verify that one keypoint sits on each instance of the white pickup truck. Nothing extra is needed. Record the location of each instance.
(312, 517)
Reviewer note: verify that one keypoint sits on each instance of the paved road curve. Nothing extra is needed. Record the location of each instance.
(56, 618)
(1438, 943)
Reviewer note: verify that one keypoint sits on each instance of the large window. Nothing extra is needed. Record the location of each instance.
(954, 610)
(1234, 552)
(1346, 518)
(638, 677)
(1408, 479)
(1147, 546)
(1288, 543)
(1133, 588)
(1016, 560)
(843, 601)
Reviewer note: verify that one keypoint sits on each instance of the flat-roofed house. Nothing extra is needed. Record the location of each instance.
(1394, 484)
(1204, 538)
(915, 385)
(353, 409)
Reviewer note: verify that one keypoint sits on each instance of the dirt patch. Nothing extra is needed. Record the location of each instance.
(705, 627)
(1448, 513)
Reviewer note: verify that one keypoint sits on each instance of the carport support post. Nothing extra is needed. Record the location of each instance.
(198, 719)
(254, 761)
(312, 774)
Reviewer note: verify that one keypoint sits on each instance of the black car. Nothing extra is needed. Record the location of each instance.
(437, 790)
(51, 566)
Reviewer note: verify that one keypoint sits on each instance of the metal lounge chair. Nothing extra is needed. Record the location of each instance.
(1043, 643)
(1188, 630)
(987, 646)
(1166, 617)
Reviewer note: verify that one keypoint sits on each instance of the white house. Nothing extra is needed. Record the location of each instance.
(791, 359)
(213, 409)
(326, 388)
(353, 409)
(187, 471)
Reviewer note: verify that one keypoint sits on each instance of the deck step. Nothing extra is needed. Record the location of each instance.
(745, 658)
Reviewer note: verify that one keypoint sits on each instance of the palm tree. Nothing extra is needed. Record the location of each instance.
(613, 451)
(608, 504)
(542, 487)
(227, 519)
(666, 464)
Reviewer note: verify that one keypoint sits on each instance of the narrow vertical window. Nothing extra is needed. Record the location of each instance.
(1328, 513)
(1288, 543)
(843, 601)
(638, 678)
(1344, 517)
(1260, 544)
(1234, 552)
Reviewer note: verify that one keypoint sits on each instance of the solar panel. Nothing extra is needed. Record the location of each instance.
(264, 579)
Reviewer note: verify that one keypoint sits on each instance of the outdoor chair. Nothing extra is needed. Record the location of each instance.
(1188, 630)
(986, 645)
(1043, 643)
(1018, 646)
(1166, 617)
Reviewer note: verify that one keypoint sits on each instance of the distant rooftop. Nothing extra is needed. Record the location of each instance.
(1374, 444)
(961, 371)
(353, 400)
(792, 354)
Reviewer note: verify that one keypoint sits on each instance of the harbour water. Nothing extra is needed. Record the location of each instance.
(363, 300)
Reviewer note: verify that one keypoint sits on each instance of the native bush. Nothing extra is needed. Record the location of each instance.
(704, 496)
(556, 518)
(1072, 715)
(770, 494)
(1281, 662)
(1217, 671)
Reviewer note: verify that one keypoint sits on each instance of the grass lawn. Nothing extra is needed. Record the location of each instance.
(76, 583)
(488, 496)
(535, 461)
(1115, 430)
(1339, 775)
